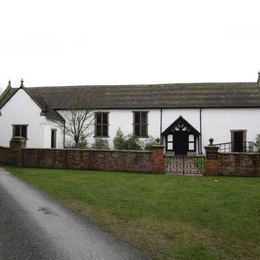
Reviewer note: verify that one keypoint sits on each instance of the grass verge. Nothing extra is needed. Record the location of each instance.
(166, 216)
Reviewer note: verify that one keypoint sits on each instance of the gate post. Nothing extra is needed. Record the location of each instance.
(212, 162)
(158, 159)
(16, 151)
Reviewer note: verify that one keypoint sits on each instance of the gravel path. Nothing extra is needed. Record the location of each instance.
(33, 226)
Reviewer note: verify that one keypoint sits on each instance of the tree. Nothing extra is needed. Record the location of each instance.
(79, 121)
(78, 125)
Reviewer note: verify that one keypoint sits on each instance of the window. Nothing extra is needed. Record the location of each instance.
(20, 130)
(101, 124)
(140, 124)
(170, 142)
(191, 143)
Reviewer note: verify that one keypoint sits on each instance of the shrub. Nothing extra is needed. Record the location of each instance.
(147, 144)
(101, 143)
(119, 140)
(129, 142)
(82, 144)
(132, 143)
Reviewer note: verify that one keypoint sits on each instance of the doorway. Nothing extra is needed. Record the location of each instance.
(181, 143)
(53, 138)
(238, 139)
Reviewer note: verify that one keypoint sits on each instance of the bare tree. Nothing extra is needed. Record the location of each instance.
(78, 125)
(79, 120)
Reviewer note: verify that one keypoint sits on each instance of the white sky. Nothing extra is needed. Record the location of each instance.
(63, 42)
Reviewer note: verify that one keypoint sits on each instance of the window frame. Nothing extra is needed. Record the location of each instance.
(169, 142)
(140, 124)
(192, 142)
(20, 130)
(102, 125)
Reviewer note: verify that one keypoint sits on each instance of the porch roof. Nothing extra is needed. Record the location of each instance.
(180, 124)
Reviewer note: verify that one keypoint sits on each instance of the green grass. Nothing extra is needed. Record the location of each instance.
(166, 216)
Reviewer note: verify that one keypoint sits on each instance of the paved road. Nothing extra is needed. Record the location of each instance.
(33, 226)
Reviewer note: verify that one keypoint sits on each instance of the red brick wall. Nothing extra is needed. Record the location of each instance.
(239, 164)
(134, 161)
(158, 159)
(212, 167)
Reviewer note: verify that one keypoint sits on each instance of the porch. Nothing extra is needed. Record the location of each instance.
(181, 138)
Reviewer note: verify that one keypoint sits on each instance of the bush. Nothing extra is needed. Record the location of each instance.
(82, 144)
(119, 140)
(101, 143)
(258, 142)
(132, 143)
(129, 142)
(147, 144)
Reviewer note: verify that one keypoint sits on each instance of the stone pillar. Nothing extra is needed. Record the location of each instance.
(158, 159)
(17, 144)
(212, 162)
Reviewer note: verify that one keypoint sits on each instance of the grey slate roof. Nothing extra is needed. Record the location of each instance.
(185, 95)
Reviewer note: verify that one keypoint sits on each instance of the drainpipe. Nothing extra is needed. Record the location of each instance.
(161, 140)
(200, 137)
(63, 134)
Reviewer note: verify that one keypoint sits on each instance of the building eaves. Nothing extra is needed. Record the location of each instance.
(151, 96)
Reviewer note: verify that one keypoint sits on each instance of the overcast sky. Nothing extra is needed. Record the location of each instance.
(64, 42)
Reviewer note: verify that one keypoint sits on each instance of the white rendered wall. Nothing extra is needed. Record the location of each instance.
(48, 127)
(190, 115)
(19, 110)
(217, 123)
(123, 119)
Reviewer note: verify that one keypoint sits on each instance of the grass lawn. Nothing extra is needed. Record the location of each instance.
(166, 216)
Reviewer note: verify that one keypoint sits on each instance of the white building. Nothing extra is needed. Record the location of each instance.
(184, 116)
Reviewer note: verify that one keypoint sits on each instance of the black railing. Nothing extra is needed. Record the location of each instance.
(247, 147)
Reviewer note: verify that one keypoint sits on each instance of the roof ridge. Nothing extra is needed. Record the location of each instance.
(146, 85)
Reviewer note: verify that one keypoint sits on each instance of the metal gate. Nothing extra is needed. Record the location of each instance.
(182, 164)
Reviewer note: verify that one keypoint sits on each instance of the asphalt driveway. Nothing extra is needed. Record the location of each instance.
(34, 226)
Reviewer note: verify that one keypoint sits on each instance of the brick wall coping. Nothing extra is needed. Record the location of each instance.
(239, 153)
(88, 150)
(157, 146)
(196, 155)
